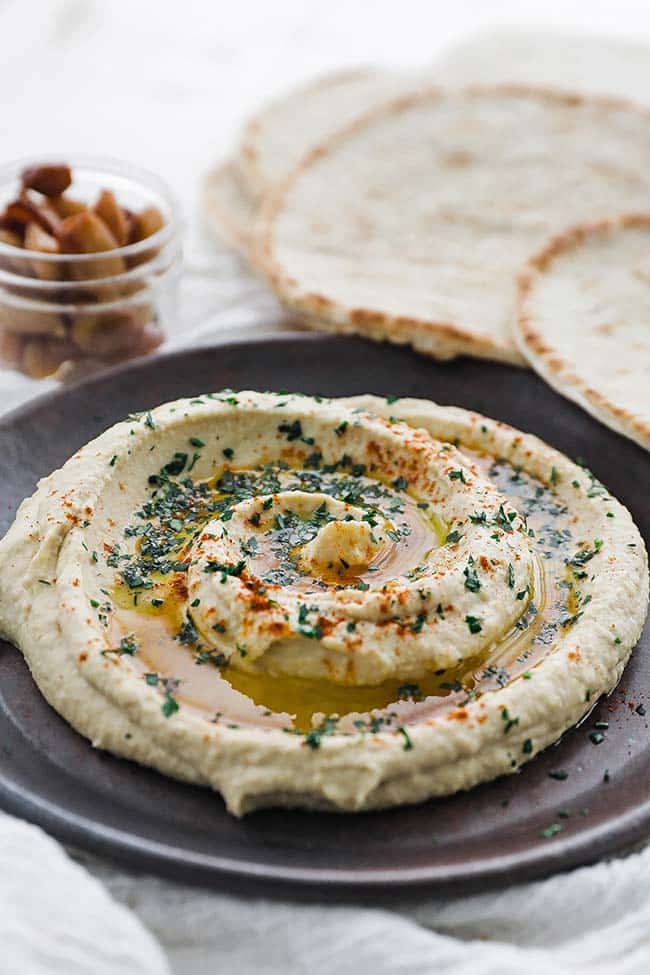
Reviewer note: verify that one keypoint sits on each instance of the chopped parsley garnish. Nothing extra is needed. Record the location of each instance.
(312, 632)
(408, 742)
(478, 519)
(292, 430)
(169, 705)
(474, 624)
(419, 622)
(550, 831)
(187, 634)
(224, 569)
(509, 723)
(134, 577)
(214, 657)
(305, 628)
(472, 581)
(585, 555)
(128, 645)
(249, 546)
(503, 520)
(314, 736)
(176, 465)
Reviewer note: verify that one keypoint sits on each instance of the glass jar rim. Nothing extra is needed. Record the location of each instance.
(116, 167)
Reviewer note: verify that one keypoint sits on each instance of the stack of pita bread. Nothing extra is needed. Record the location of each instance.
(477, 208)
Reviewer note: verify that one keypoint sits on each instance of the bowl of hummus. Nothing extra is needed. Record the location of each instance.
(340, 604)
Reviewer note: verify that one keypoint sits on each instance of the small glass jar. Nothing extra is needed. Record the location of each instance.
(64, 315)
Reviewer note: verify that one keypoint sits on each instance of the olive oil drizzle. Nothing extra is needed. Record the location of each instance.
(154, 614)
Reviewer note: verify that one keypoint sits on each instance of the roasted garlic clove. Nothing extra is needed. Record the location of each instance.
(37, 239)
(86, 233)
(51, 179)
(113, 216)
(24, 209)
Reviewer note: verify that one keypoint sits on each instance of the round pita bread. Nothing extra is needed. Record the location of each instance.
(229, 209)
(598, 64)
(413, 223)
(276, 139)
(584, 320)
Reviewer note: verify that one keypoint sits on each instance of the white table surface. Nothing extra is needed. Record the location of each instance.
(165, 84)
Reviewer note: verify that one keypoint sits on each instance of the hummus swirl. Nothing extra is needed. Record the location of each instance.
(412, 564)
(322, 603)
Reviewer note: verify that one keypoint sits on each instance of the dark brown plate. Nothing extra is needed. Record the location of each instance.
(52, 776)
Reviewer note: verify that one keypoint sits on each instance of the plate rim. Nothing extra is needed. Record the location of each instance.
(534, 863)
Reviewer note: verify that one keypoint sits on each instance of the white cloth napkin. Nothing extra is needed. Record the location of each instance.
(57, 919)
